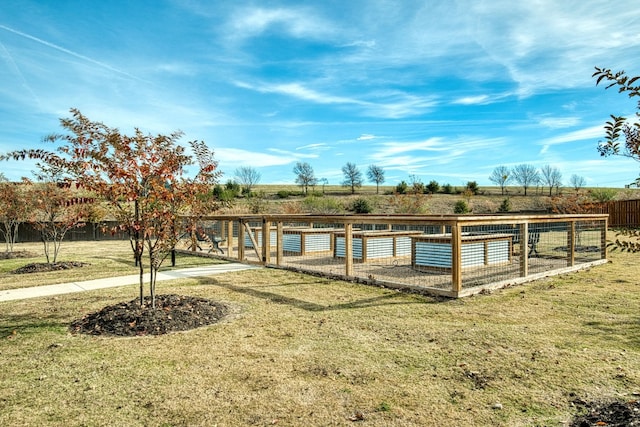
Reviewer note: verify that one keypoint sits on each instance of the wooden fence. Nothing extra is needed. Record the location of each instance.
(622, 213)
(447, 255)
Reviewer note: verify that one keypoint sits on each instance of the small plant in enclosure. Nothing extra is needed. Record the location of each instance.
(361, 206)
(461, 207)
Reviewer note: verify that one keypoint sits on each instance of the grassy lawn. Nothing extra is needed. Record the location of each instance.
(106, 259)
(303, 350)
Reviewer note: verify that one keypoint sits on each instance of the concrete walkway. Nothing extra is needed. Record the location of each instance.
(111, 282)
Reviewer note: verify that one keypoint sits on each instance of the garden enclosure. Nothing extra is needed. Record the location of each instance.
(447, 255)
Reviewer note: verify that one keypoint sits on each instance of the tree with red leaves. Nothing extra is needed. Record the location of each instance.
(140, 176)
(14, 208)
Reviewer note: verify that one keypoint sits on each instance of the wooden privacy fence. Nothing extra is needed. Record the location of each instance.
(622, 213)
(446, 255)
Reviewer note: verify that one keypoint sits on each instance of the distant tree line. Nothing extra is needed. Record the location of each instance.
(528, 176)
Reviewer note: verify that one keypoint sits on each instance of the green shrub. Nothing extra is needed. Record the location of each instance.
(603, 194)
(447, 189)
(283, 194)
(402, 188)
(505, 206)
(461, 207)
(472, 186)
(361, 206)
(322, 205)
(433, 187)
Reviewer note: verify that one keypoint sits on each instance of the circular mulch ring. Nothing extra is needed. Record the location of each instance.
(610, 414)
(39, 267)
(173, 313)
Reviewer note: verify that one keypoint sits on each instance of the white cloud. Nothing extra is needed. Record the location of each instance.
(472, 100)
(295, 22)
(559, 122)
(239, 157)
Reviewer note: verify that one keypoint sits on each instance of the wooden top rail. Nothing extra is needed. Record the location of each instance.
(463, 220)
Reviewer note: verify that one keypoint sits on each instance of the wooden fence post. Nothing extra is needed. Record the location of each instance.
(456, 258)
(348, 249)
(524, 249)
(266, 241)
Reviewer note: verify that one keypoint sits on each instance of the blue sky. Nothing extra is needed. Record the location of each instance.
(440, 90)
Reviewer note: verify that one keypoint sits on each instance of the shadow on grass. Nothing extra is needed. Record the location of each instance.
(26, 324)
(626, 332)
(387, 299)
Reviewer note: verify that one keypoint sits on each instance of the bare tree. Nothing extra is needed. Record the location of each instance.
(375, 174)
(577, 182)
(247, 177)
(352, 177)
(304, 176)
(551, 177)
(501, 176)
(526, 175)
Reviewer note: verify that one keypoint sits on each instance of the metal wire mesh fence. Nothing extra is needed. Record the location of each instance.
(446, 255)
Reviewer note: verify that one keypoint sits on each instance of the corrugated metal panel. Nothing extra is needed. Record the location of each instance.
(498, 252)
(433, 254)
(403, 246)
(317, 242)
(381, 247)
(291, 242)
(472, 254)
(273, 239)
(357, 248)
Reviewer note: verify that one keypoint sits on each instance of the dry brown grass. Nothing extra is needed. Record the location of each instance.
(301, 350)
(106, 259)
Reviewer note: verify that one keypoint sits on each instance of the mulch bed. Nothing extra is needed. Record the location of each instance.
(172, 313)
(40, 267)
(17, 254)
(609, 414)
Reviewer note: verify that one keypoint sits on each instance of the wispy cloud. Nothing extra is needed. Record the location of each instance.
(387, 105)
(234, 157)
(12, 64)
(591, 133)
(472, 100)
(296, 22)
(559, 122)
(69, 52)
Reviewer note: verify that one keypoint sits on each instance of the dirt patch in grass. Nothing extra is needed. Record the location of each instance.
(17, 254)
(172, 313)
(39, 267)
(612, 414)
